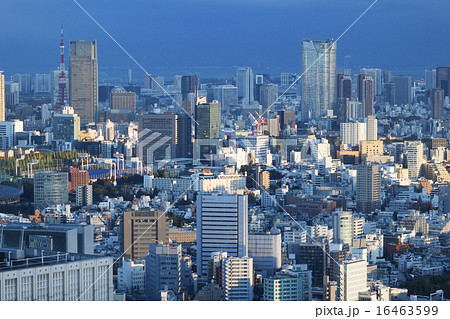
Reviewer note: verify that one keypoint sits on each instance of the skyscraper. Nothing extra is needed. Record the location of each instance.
(141, 228)
(372, 128)
(365, 93)
(402, 89)
(244, 83)
(375, 74)
(414, 156)
(158, 137)
(430, 79)
(443, 79)
(66, 126)
(189, 84)
(344, 86)
(343, 227)
(207, 116)
(368, 183)
(2, 97)
(227, 95)
(267, 95)
(222, 225)
(437, 103)
(24, 81)
(319, 79)
(83, 77)
(207, 130)
(353, 133)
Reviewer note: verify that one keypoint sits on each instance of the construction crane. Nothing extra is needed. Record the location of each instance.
(258, 122)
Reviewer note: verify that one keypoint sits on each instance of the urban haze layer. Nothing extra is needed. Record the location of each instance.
(328, 184)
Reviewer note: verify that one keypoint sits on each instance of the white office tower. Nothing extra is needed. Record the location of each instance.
(222, 225)
(42, 83)
(352, 279)
(244, 83)
(414, 156)
(2, 96)
(343, 227)
(258, 147)
(372, 128)
(227, 95)
(8, 131)
(353, 133)
(265, 249)
(430, 79)
(376, 76)
(237, 276)
(319, 77)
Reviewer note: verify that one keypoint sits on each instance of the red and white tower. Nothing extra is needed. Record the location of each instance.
(61, 100)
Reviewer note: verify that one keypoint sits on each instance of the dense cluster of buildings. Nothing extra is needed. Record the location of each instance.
(256, 187)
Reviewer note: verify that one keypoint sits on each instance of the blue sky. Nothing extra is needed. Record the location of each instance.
(171, 35)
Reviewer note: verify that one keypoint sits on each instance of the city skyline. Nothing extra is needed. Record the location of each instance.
(366, 43)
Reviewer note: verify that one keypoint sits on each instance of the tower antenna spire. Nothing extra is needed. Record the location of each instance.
(61, 100)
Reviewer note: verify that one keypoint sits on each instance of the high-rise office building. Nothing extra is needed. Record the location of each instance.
(24, 81)
(402, 89)
(430, 79)
(51, 188)
(437, 103)
(245, 83)
(207, 131)
(66, 126)
(208, 118)
(443, 79)
(387, 76)
(314, 255)
(344, 86)
(353, 133)
(8, 133)
(267, 95)
(237, 276)
(349, 110)
(141, 228)
(265, 249)
(221, 226)
(414, 156)
(42, 83)
(189, 84)
(343, 227)
(352, 279)
(368, 188)
(184, 147)
(158, 137)
(365, 93)
(372, 128)
(163, 270)
(375, 74)
(389, 93)
(319, 79)
(83, 80)
(227, 95)
(2, 97)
